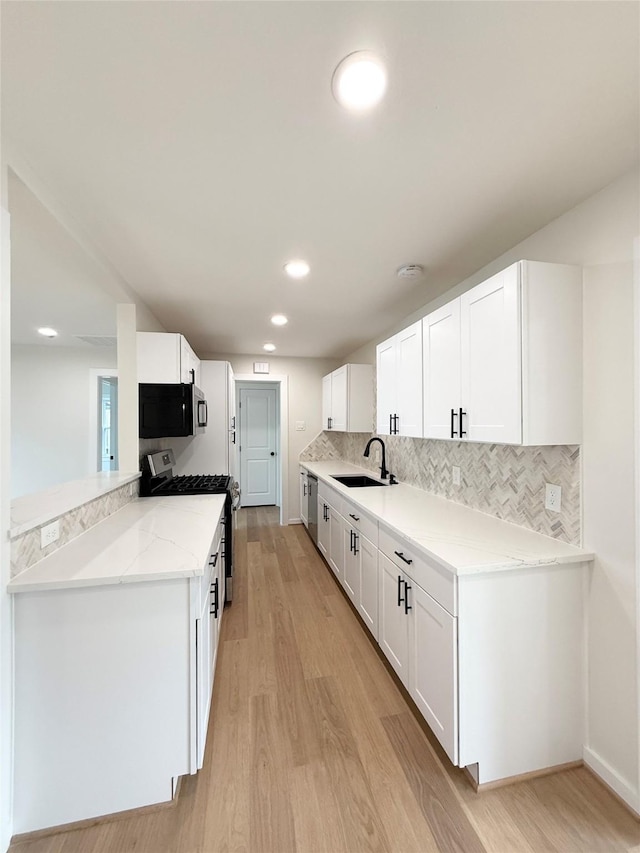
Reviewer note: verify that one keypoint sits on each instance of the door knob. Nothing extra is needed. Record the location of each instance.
(272, 453)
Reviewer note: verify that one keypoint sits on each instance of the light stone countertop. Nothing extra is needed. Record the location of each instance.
(30, 511)
(148, 539)
(460, 539)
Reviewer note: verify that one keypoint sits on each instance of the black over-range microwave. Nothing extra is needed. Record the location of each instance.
(171, 410)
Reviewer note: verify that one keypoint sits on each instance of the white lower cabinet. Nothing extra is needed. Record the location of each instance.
(304, 497)
(394, 626)
(351, 550)
(433, 666)
(419, 639)
(492, 660)
(368, 601)
(114, 686)
(207, 634)
(336, 543)
(324, 527)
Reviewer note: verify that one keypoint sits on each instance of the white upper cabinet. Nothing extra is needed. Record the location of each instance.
(347, 399)
(165, 357)
(441, 349)
(399, 383)
(490, 361)
(502, 363)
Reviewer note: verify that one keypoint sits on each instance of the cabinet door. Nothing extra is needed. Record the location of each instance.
(368, 602)
(386, 385)
(441, 375)
(324, 528)
(491, 359)
(336, 547)
(326, 402)
(304, 498)
(393, 628)
(351, 575)
(188, 362)
(339, 399)
(158, 357)
(433, 678)
(231, 422)
(409, 380)
(205, 648)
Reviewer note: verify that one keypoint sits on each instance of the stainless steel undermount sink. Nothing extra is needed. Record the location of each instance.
(356, 481)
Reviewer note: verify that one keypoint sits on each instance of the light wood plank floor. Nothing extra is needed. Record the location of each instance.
(313, 747)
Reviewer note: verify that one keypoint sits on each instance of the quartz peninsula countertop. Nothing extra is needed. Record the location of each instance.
(30, 511)
(148, 539)
(462, 540)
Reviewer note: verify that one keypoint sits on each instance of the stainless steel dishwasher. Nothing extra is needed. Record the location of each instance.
(312, 512)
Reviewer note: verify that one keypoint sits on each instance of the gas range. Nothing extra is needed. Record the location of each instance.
(158, 480)
(193, 484)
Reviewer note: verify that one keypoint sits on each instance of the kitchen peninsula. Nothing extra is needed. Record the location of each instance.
(116, 643)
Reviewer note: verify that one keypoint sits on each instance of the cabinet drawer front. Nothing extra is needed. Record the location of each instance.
(212, 564)
(360, 522)
(329, 496)
(438, 582)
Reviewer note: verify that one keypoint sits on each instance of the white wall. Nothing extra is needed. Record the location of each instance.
(6, 605)
(599, 235)
(305, 403)
(50, 397)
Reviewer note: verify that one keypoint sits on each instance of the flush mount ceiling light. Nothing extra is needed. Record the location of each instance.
(279, 320)
(47, 332)
(359, 81)
(269, 347)
(297, 268)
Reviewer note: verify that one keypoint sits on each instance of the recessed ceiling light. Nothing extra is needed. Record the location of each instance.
(279, 320)
(297, 269)
(269, 347)
(359, 81)
(47, 332)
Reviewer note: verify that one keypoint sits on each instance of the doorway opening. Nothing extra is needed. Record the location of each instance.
(260, 402)
(103, 420)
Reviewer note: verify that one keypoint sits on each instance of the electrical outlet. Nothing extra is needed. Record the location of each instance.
(455, 473)
(552, 497)
(49, 534)
(300, 426)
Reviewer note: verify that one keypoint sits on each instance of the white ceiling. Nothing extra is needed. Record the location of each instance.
(199, 145)
(58, 283)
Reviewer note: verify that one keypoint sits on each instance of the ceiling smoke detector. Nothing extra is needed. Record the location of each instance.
(410, 271)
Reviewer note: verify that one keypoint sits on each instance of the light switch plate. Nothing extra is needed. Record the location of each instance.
(49, 534)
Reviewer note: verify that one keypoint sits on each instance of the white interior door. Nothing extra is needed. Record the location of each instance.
(258, 446)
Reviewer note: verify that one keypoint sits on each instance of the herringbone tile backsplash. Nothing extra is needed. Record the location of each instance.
(499, 479)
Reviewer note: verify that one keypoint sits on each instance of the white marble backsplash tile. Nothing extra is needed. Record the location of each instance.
(25, 548)
(503, 480)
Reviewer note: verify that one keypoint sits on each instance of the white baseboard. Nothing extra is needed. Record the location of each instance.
(295, 521)
(613, 780)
